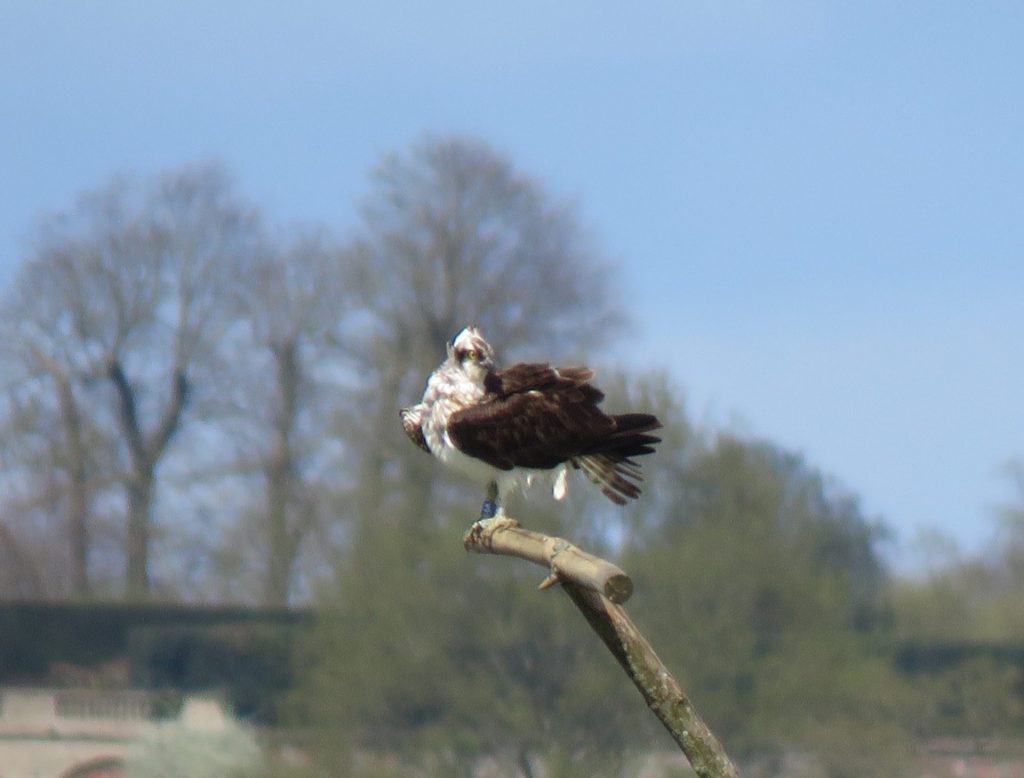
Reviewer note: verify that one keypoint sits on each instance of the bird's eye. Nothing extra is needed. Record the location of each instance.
(473, 355)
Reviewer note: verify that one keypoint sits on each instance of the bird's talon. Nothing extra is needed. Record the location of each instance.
(481, 530)
(489, 509)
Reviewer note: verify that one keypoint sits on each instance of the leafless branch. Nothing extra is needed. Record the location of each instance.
(565, 561)
(587, 580)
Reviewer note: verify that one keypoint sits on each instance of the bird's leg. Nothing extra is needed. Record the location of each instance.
(490, 507)
(492, 515)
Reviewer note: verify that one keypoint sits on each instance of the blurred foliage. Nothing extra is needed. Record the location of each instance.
(961, 626)
(760, 585)
(976, 599)
(458, 658)
(175, 751)
(757, 581)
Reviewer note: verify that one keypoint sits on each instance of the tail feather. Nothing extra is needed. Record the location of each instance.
(616, 482)
(629, 437)
(609, 462)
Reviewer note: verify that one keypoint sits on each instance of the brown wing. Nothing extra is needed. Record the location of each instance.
(539, 376)
(538, 416)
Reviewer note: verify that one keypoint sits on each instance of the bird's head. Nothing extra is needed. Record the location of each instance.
(471, 353)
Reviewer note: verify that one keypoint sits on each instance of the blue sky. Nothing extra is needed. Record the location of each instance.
(817, 209)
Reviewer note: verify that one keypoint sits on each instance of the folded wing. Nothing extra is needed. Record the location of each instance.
(537, 416)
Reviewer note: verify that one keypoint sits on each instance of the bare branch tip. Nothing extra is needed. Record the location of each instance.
(550, 581)
(618, 588)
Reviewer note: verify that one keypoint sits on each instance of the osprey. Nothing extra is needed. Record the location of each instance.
(505, 427)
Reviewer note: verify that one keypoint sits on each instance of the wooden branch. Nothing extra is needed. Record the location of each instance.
(171, 419)
(585, 579)
(565, 561)
(660, 690)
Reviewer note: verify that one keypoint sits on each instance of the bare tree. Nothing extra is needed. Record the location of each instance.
(453, 233)
(132, 284)
(35, 491)
(284, 363)
(54, 456)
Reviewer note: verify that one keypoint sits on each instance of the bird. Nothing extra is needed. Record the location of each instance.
(507, 427)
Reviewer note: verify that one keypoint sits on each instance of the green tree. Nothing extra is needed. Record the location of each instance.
(960, 626)
(442, 658)
(758, 584)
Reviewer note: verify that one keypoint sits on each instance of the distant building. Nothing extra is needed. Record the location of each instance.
(82, 683)
(86, 733)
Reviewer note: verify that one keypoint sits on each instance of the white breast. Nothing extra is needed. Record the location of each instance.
(449, 391)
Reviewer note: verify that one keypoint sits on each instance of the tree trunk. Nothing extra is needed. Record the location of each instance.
(281, 546)
(78, 532)
(78, 488)
(275, 583)
(144, 452)
(136, 552)
(281, 540)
